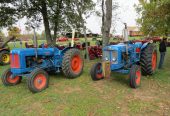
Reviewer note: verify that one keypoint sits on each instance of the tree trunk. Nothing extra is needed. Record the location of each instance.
(85, 36)
(46, 23)
(58, 11)
(106, 21)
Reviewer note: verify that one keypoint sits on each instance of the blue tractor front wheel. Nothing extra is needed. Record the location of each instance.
(8, 80)
(135, 76)
(96, 72)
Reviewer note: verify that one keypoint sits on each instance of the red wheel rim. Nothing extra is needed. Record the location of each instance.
(76, 64)
(154, 59)
(12, 80)
(99, 74)
(138, 77)
(40, 81)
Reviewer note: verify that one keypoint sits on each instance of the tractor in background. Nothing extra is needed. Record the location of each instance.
(5, 51)
(133, 58)
(35, 63)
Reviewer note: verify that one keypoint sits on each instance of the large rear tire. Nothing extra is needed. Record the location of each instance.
(4, 58)
(148, 60)
(7, 79)
(135, 76)
(38, 80)
(96, 72)
(72, 64)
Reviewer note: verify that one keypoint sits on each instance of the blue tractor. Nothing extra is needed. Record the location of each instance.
(35, 63)
(133, 58)
(24, 63)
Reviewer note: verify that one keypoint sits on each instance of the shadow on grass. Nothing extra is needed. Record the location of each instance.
(120, 78)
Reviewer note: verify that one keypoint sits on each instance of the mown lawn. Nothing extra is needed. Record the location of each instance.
(84, 97)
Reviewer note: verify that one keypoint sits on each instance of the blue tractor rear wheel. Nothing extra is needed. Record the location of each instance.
(96, 72)
(135, 76)
(148, 60)
(72, 64)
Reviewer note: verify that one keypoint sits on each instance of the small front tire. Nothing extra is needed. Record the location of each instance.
(96, 72)
(135, 76)
(7, 79)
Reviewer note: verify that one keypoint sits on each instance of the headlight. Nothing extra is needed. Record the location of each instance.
(106, 58)
(114, 59)
(106, 55)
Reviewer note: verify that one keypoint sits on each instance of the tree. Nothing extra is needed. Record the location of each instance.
(8, 13)
(106, 20)
(14, 31)
(155, 17)
(84, 9)
(56, 15)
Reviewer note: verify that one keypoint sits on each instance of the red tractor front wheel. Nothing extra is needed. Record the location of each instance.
(8, 80)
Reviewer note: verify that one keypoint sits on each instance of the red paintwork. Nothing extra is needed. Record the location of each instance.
(40, 81)
(137, 50)
(76, 64)
(99, 75)
(14, 61)
(154, 61)
(12, 80)
(95, 52)
(138, 77)
(62, 39)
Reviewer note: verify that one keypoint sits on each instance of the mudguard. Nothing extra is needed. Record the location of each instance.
(144, 45)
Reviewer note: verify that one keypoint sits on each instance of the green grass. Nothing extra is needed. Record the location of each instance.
(84, 97)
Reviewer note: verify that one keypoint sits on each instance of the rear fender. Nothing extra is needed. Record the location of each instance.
(66, 49)
(4, 49)
(144, 45)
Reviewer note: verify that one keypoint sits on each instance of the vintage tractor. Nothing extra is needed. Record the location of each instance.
(4, 51)
(35, 63)
(127, 58)
(136, 60)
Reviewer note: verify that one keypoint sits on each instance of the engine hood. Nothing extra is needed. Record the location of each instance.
(31, 51)
(120, 46)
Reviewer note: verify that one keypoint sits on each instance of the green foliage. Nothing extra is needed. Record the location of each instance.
(155, 17)
(2, 35)
(14, 31)
(56, 15)
(9, 13)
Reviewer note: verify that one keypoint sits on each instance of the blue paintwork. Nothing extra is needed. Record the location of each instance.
(121, 65)
(51, 60)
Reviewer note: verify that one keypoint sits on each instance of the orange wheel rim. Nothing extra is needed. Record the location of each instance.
(99, 72)
(40, 81)
(154, 59)
(76, 64)
(138, 77)
(12, 80)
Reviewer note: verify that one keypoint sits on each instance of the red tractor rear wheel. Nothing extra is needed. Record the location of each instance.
(135, 76)
(8, 80)
(72, 64)
(96, 72)
(38, 80)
